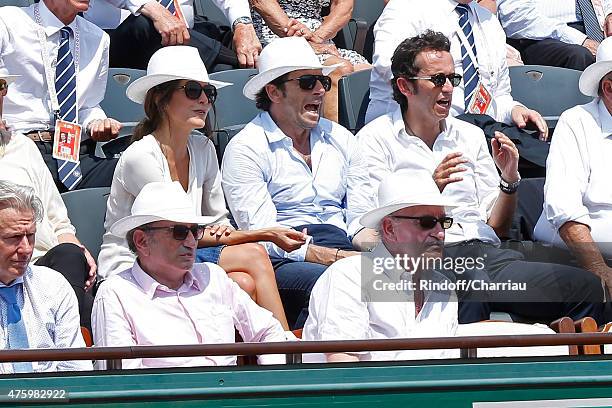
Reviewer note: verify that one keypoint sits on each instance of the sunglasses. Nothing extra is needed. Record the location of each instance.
(428, 222)
(180, 232)
(440, 79)
(193, 90)
(308, 82)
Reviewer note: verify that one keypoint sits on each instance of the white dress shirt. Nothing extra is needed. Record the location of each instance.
(387, 148)
(403, 19)
(267, 183)
(143, 162)
(108, 14)
(50, 312)
(132, 308)
(27, 106)
(337, 312)
(540, 19)
(23, 164)
(578, 172)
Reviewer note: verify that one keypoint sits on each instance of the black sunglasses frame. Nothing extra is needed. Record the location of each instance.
(308, 82)
(180, 232)
(440, 79)
(193, 90)
(428, 222)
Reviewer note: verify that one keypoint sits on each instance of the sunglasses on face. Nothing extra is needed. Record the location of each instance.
(180, 232)
(428, 222)
(193, 90)
(440, 79)
(308, 82)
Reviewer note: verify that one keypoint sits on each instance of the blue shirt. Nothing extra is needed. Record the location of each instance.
(267, 183)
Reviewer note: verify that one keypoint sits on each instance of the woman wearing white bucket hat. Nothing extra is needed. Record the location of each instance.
(177, 98)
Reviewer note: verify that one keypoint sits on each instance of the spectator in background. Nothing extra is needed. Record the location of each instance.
(513, 57)
(69, 84)
(166, 299)
(38, 307)
(286, 18)
(138, 28)
(177, 98)
(561, 33)
(56, 245)
(290, 167)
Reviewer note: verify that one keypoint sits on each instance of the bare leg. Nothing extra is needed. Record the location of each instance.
(245, 282)
(253, 260)
(330, 105)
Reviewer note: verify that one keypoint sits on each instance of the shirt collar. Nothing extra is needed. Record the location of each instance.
(50, 22)
(399, 127)
(150, 285)
(275, 134)
(604, 118)
(15, 282)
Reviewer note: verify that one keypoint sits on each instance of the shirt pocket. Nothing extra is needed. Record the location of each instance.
(217, 325)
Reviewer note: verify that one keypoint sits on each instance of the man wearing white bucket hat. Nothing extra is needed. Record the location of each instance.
(291, 167)
(578, 194)
(411, 222)
(166, 299)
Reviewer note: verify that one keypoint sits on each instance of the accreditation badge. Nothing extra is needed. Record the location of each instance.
(479, 104)
(67, 141)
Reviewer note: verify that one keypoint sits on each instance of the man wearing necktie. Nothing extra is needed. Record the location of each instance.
(38, 308)
(562, 33)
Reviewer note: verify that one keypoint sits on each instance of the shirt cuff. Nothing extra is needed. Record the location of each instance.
(581, 218)
(573, 36)
(235, 12)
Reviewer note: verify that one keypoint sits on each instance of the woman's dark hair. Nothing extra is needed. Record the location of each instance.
(262, 100)
(403, 60)
(154, 107)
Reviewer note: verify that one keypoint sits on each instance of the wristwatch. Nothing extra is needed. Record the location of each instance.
(509, 188)
(241, 20)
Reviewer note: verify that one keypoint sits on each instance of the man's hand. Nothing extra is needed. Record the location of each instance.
(247, 45)
(286, 238)
(592, 45)
(506, 157)
(608, 25)
(103, 130)
(521, 116)
(173, 31)
(450, 165)
(92, 268)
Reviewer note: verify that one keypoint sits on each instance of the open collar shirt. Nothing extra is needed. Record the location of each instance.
(27, 106)
(402, 19)
(50, 312)
(131, 308)
(578, 172)
(388, 148)
(267, 183)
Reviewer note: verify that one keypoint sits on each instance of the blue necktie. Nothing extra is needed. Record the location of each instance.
(65, 86)
(169, 4)
(470, 73)
(584, 9)
(17, 335)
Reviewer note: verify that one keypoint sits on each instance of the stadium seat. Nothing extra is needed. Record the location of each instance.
(358, 34)
(116, 104)
(232, 109)
(16, 3)
(548, 90)
(87, 210)
(353, 99)
(86, 336)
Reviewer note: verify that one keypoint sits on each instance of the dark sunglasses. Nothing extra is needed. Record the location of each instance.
(179, 232)
(193, 90)
(308, 82)
(428, 222)
(440, 79)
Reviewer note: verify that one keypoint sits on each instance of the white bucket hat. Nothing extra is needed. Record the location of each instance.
(159, 201)
(281, 56)
(592, 75)
(168, 64)
(405, 189)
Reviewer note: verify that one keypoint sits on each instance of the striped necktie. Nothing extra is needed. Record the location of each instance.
(169, 4)
(592, 29)
(65, 86)
(470, 73)
(17, 335)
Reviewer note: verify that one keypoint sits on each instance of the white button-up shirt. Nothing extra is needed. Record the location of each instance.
(540, 19)
(387, 148)
(132, 308)
(402, 19)
(578, 172)
(337, 312)
(27, 105)
(108, 14)
(267, 183)
(50, 312)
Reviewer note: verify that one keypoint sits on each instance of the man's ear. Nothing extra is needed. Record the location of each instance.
(405, 86)
(274, 93)
(386, 227)
(141, 242)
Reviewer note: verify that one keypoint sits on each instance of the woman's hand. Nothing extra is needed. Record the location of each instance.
(287, 239)
(219, 230)
(297, 29)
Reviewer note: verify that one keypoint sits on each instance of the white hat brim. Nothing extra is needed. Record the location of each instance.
(256, 84)
(137, 90)
(373, 218)
(121, 227)
(9, 78)
(592, 75)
